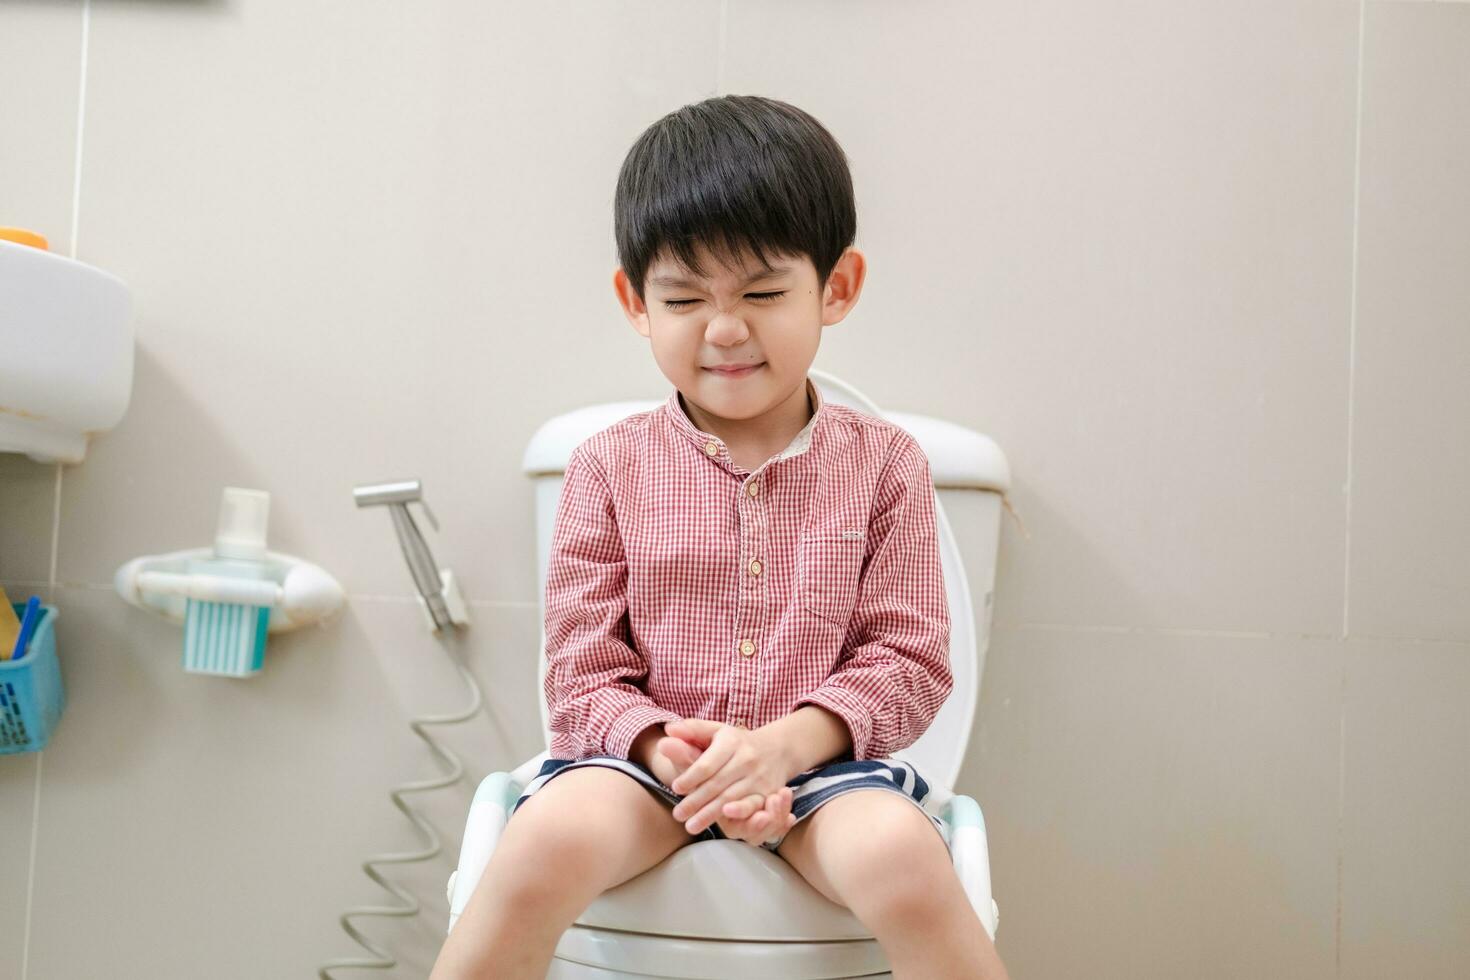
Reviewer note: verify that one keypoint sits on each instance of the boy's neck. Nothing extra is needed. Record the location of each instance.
(757, 439)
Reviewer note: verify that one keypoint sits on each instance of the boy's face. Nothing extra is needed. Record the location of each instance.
(770, 319)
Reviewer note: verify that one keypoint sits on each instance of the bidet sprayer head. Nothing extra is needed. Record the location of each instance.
(396, 497)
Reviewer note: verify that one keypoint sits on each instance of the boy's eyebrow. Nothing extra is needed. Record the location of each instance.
(765, 273)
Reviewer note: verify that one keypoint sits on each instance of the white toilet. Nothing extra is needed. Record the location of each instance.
(695, 915)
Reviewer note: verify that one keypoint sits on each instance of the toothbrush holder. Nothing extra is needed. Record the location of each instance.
(31, 696)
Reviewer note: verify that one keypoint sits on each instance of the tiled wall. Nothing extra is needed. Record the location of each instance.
(1198, 268)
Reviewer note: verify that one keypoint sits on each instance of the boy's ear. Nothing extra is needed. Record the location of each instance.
(843, 286)
(633, 307)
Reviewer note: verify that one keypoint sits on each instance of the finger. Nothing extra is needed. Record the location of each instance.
(711, 761)
(679, 752)
(696, 730)
(751, 830)
(713, 794)
(785, 819)
(776, 807)
(783, 809)
(772, 827)
(742, 809)
(761, 825)
(718, 790)
(779, 803)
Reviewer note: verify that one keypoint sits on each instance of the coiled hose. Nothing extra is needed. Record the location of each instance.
(384, 960)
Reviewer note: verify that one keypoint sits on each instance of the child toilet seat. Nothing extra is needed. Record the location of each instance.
(584, 954)
(696, 893)
(685, 917)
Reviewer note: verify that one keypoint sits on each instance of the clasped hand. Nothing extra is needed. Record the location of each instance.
(727, 775)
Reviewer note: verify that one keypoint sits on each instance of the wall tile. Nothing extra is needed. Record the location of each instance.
(27, 512)
(1162, 804)
(1406, 856)
(1411, 411)
(41, 49)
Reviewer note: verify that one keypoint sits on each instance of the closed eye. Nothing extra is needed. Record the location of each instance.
(679, 304)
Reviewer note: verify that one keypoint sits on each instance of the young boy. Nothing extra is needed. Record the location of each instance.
(745, 607)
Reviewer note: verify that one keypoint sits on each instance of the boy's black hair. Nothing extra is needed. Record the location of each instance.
(739, 174)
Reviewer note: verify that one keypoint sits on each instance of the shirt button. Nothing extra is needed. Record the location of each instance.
(712, 448)
(746, 648)
(739, 724)
(755, 566)
(752, 488)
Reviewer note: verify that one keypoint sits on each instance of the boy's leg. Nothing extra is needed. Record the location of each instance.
(585, 831)
(880, 857)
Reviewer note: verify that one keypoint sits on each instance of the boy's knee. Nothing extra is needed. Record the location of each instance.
(552, 839)
(551, 862)
(885, 846)
(579, 820)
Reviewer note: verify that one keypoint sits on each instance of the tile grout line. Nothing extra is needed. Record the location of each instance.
(76, 180)
(55, 529)
(1009, 627)
(996, 627)
(1347, 494)
(76, 198)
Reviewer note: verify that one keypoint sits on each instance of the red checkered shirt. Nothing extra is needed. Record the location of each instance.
(681, 585)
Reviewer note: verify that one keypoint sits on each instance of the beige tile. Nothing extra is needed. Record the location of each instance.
(27, 512)
(1162, 804)
(235, 809)
(1411, 412)
(17, 810)
(41, 49)
(1406, 854)
(1123, 254)
(367, 242)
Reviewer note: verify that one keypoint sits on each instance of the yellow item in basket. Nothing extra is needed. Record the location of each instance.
(9, 626)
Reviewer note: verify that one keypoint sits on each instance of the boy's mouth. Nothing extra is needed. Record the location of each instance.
(734, 372)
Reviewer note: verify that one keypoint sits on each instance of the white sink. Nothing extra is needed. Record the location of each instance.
(66, 353)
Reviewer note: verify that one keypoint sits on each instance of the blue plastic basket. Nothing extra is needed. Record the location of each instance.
(31, 697)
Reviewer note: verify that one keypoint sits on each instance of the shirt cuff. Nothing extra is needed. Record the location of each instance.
(629, 724)
(845, 705)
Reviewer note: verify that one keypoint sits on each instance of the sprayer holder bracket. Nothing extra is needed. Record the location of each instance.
(300, 593)
(459, 613)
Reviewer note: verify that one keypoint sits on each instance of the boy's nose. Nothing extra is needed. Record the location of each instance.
(726, 325)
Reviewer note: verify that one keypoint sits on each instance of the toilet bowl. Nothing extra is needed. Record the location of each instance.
(722, 909)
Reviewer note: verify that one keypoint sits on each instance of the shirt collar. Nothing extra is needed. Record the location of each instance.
(799, 444)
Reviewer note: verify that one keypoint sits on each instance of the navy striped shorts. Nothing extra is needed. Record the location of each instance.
(809, 790)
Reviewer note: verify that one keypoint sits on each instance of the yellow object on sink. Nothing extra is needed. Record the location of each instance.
(9, 626)
(25, 237)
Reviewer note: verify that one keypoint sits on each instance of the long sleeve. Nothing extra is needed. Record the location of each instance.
(894, 673)
(592, 697)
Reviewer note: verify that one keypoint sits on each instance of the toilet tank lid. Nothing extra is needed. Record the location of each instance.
(959, 458)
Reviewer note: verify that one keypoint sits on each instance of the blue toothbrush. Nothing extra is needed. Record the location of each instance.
(27, 626)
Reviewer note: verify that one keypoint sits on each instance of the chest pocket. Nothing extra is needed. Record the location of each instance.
(828, 564)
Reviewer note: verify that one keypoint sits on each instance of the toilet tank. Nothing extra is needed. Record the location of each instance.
(970, 477)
